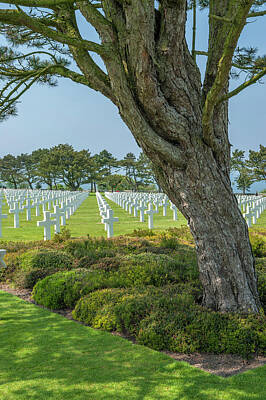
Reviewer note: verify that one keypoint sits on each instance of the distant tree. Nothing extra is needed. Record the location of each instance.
(244, 180)
(11, 170)
(146, 173)
(129, 164)
(72, 166)
(114, 182)
(237, 160)
(47, 167)
(28, 169)
(107, 163)
(257, 163)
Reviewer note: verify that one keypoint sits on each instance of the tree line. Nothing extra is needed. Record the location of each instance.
(250, 170)
(63, 167)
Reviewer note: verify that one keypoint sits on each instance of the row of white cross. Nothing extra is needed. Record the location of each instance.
(107, 215)
(135, 203)
(69, 202)
(251, 207)
(143, 203)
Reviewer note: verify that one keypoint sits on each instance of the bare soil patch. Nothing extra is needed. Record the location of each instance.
(224, 365)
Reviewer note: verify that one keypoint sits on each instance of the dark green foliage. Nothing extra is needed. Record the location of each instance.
(61, 237)
(94, 311)
(142, 233)
(168, 318)
(261, 274)
(107, 264)
(156, 269)
(130, 271)
(37, 264)
(64, 289)
(169, 243)
(92, 248)
(258, 245)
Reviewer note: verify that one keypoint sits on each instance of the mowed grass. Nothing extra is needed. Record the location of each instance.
(44, 356)
(86, 220)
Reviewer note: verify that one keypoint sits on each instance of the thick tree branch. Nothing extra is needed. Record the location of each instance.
(244, 85)
(20, 18)
(37, 3)
(97, 20)
(97, 79)
(256, 14)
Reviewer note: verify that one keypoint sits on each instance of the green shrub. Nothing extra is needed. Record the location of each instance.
(258, 244)
(169, 243)
(168, 318)
(107, 264)
(198, 330)
(37, 264)
(183, 234)
(63, 236)
(156, 269)
(142, 233)
(64, 289)
(98, 309)
(92, 248)
(128, 307)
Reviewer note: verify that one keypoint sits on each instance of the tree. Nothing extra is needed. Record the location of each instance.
(244, 180)
(257, 163)
(129, 164)
(113, 182)
(10, 170)
(180, 122)
(47, 167)
(72, 166)
(28, 171)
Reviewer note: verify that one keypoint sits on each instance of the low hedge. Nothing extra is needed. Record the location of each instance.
(35, 265)
(156, 269)
(63, 289)
(169, 319)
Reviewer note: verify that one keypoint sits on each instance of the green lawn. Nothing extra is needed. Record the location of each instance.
(87, 220)
(44, 356)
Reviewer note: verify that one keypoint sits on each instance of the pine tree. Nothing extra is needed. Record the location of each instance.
(180, 122)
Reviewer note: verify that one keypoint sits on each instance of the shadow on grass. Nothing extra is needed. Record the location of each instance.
(45, 356)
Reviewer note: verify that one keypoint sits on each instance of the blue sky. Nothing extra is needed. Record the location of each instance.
(76, 115)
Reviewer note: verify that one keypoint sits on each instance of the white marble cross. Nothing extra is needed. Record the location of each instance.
(174, 208)
(134, 205)
(150, 213)
(2, 254)
(16, 210)
(165, 204)
(28, 208)
(37, 204)
(109, 221)
(2, 216)
(57, 214)
(46, 223)
(63, 211)
(141, 209)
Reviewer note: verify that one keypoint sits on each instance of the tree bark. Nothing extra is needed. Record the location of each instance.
(203, 194)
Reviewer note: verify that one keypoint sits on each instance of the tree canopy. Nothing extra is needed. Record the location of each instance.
(63, 167)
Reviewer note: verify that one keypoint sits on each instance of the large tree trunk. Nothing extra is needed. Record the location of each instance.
(203, 194)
